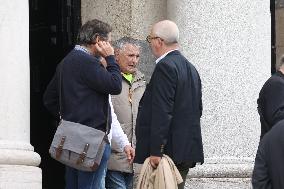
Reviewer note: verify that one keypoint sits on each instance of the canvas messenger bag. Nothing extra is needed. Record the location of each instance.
(76, 145)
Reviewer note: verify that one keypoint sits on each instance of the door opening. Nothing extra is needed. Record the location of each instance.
(53, 28)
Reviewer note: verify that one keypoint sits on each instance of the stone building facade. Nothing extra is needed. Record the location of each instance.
(229, 43)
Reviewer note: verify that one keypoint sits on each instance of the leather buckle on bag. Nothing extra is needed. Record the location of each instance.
(60, 147)
(83, 155)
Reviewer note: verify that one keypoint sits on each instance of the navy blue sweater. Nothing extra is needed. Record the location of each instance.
(85, 86)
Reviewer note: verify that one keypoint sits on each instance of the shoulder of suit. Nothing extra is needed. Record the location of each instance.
(274, 83)
(166, 62)
(275, 79)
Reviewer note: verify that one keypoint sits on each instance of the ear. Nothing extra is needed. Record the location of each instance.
(116, 53)
(97, 39)
(161, 41)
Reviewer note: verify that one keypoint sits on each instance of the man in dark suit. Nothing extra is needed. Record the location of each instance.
(268, 170)
(271, 100)
(168, 120)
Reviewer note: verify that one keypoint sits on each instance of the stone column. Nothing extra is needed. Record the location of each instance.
(229, 43)
(18, 161)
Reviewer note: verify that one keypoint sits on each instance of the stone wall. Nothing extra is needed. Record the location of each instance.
(128, 17)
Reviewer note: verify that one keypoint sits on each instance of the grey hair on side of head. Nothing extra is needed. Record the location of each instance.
(120, 43)
(91, 29)
(167, 30)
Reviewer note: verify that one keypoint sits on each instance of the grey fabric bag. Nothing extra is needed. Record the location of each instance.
(78, 146)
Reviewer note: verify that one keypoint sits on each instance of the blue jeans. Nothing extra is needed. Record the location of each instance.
(118, 180)
(76, 179)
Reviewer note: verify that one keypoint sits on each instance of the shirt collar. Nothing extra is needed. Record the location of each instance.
(164, 55)
(81, 48)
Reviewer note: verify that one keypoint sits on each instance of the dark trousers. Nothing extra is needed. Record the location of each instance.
(183, 169)
(76, 179)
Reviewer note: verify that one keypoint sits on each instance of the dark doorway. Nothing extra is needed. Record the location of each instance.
(53, 28)
(273, 37)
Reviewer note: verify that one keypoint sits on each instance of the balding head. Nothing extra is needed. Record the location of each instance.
(167, 30)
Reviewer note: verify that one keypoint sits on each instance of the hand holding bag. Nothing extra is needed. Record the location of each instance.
(76, 145)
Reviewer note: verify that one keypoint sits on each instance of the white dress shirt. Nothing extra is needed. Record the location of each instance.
(164, 55)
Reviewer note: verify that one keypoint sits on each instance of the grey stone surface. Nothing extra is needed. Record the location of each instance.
(147, 60)
(218, 183)
(128, 17)
(117, 13)
(220, 176)
(219, 170)
(144, 14)
(229, 43)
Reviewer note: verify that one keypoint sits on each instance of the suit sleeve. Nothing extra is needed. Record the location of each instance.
(51, 97)
(274, 106)
(260, 176)
(163, 95)
(106, 81)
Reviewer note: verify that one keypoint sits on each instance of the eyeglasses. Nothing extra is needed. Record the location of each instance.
(149, 38)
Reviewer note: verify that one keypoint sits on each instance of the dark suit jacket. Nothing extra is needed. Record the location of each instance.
(271, 101)
(86, 85)
(268, 170)
(168, 119)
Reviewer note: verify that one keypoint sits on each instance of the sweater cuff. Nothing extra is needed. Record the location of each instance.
(110, 59)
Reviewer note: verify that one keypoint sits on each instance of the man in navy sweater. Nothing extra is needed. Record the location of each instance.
(84, 86)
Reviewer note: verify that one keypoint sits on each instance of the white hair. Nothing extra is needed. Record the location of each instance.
(120, 43)
(167, 30)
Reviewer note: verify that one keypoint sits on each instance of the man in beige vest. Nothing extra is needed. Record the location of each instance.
(120, 170)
